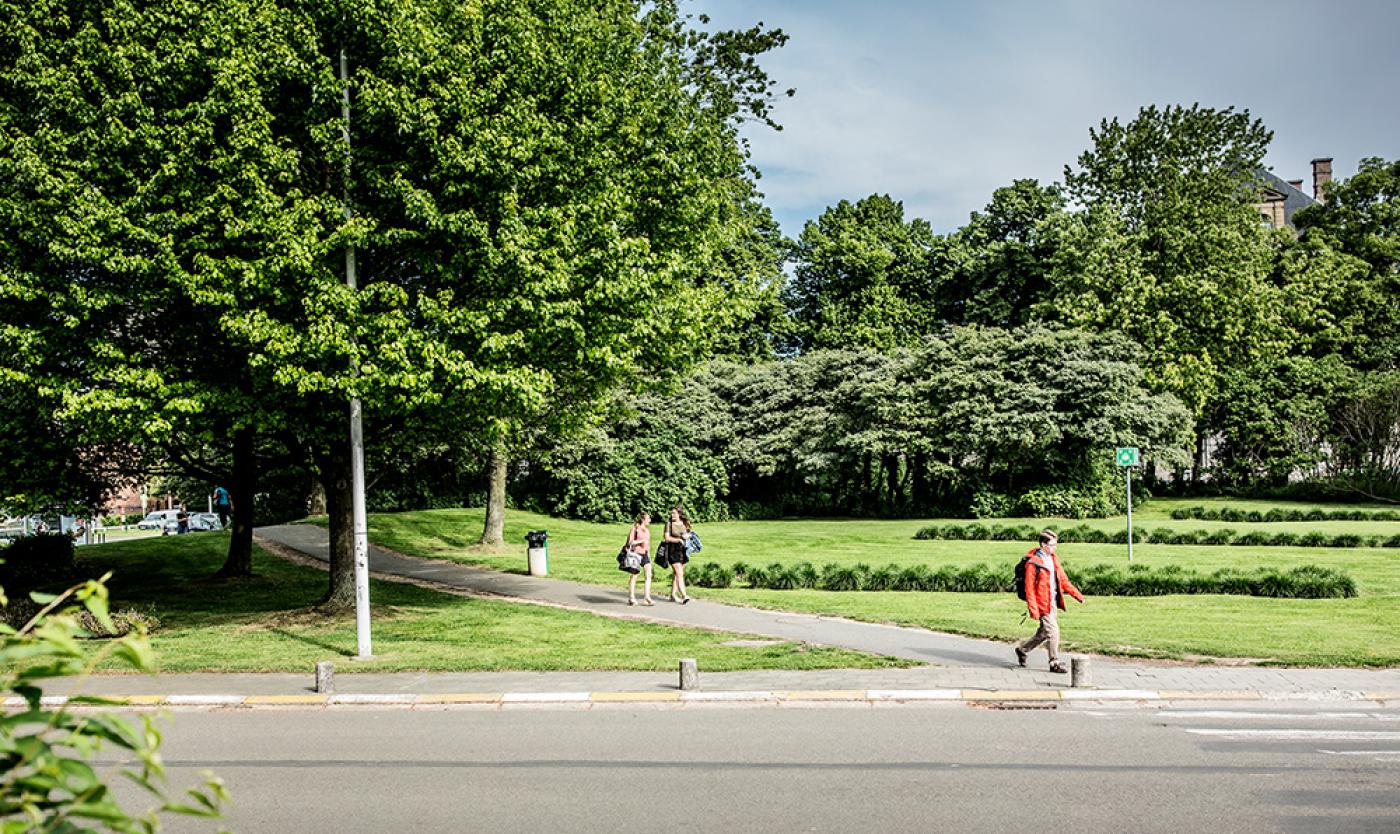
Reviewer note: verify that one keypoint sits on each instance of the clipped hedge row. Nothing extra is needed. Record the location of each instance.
(1305, 582)
(1238, 516)
(1084, 534)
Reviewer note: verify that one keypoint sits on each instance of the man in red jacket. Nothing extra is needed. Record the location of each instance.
(1046, 586)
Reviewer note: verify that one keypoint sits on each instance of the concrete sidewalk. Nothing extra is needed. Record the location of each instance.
(954, 666)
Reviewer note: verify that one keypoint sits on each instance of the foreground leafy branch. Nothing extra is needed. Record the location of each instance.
(49, 783)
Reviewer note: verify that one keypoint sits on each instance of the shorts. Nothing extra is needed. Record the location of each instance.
(674, 553)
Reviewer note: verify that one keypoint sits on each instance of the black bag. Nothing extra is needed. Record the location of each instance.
(1021, 575)
(629, 561)
(663, 559)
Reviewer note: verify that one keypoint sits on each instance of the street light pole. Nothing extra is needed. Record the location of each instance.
(357, 437)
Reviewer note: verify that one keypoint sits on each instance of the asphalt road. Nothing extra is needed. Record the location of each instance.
(1312, 769)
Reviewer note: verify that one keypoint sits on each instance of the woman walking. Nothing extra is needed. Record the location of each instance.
(639, 542)
(673, 541)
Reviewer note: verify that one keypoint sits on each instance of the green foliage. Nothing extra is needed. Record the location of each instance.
(38, 561)
(49, 782)
(1304, 582)
(1170, 250)
(995, 271)
(665, 451)
(1084, 534)
(1361, 218)
(862, 278)
(1276, 514)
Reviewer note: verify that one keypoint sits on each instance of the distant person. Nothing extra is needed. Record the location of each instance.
(639, 542)
(223, 505)
(673, 546)
(1046, 586)
(182, 521)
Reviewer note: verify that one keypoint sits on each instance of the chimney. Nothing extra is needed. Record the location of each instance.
(1297, 184)
(1322, 174)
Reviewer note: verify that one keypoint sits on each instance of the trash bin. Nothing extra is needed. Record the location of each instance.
(538, 552)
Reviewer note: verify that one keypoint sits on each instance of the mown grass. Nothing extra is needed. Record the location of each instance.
(1364, 631)
(265, 624)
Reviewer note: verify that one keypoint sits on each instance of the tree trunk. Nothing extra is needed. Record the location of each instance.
(918, 486)
(316, 503)
(242, 489)
(1200, 462)
(336, 477)
(494, 533)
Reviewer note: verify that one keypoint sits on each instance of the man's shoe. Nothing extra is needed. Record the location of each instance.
(1021, 656)
(1058, 669)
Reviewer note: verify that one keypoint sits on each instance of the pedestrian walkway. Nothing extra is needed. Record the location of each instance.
(951, 662)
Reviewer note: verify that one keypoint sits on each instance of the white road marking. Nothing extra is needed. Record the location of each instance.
(1280, 716)
(1299, 735)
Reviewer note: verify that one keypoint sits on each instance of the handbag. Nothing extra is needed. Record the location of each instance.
(629, 561)
(662, 559)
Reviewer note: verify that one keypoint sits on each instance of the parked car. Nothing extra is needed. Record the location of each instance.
(199, 523)
(157, 519)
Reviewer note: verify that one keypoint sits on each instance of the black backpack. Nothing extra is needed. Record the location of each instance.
(1021, 575)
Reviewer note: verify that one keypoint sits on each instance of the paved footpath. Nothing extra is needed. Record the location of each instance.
(954, 667)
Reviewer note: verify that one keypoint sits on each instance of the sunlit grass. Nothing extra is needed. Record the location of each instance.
(265, 624)
(1361, 631)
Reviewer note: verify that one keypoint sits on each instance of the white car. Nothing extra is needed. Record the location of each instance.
(198, 523)
(156, 520)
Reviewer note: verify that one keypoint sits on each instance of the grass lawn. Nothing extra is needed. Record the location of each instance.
(264, 624)
(1364, 631)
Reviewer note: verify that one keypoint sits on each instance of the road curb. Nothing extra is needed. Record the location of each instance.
(700, 697)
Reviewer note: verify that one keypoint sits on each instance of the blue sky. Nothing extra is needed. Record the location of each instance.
(938, 103)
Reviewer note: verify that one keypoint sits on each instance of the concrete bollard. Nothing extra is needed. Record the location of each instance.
(1080, 673)
(325, 677)
(690, 674)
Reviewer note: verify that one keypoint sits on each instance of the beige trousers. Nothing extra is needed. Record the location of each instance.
(1048, 633)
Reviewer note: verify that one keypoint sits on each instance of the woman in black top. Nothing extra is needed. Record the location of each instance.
(673, 540)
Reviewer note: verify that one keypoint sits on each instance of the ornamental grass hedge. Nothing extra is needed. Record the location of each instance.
(1305, 582)
(1238, 516)
(1084, 534)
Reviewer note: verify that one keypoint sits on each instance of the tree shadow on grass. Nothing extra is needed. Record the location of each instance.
(311, 641)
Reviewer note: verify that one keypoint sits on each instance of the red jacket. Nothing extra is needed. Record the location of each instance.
(1038, 585)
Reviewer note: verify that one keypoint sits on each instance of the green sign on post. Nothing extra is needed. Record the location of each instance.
(1127, 457)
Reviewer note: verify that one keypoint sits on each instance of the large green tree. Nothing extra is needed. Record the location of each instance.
(862, 278)
(537, 197)
(995, 270)
(1168, 248)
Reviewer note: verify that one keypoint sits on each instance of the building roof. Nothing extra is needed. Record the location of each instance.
(1293, 199)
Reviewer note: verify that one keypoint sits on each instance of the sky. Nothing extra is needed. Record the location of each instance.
(938, 103)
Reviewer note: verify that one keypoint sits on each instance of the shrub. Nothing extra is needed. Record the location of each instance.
(929, 533)
(39, 561)
(1313, 540)
(1348, 540)
(840, 578)
(882, 579)
(976, 533)
(1284, 540)
(988, 504)
(1255, 538)
(1393, 541)
(1218, 537)
(711, 575)
(781, 577)
(1184, 513)
(916, 578)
